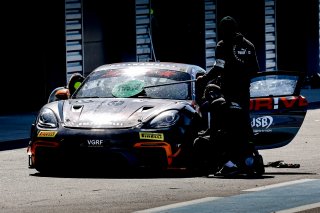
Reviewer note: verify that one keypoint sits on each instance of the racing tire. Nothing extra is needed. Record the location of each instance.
(44, 163)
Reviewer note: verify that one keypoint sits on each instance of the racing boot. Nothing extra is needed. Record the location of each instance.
(253, 165)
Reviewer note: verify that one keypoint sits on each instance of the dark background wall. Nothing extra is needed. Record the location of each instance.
(178, 31)
(33, 46)
(298, 35)
(33, 38)
(109, 32)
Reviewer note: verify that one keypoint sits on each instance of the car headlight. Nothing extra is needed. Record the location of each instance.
(165, 119)
(47, 119)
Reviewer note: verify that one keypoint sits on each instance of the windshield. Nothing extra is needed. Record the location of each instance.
(101, 84)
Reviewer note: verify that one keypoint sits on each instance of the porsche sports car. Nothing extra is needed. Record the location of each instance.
(136, 114)
(145, 115)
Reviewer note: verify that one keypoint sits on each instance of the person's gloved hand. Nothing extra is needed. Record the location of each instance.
(200, 87)
(199, 80)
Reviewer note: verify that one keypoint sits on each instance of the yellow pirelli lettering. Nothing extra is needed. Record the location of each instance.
(47, 134)
(151, 136)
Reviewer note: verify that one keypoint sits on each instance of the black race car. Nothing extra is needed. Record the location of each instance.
(145, 115)
(124, 114)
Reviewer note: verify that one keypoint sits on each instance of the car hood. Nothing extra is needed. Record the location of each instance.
(113, 112)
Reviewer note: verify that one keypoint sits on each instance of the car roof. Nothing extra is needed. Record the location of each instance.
(159, 65)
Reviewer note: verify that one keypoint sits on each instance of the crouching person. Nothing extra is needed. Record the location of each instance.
(224, 149)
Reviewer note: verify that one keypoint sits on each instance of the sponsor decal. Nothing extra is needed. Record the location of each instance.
(128, 89)
(262, 124)
(261, 103)
(277, 103)
(111, 123)
(115, 103)
(241, 53)
(95, 143)
(151, 136)
(47, 134)
(292, 101)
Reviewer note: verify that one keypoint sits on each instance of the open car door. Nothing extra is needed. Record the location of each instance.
(277, 108)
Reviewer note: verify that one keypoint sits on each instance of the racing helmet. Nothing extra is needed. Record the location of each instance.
(228, 27)
(212, 92)
(74, 82)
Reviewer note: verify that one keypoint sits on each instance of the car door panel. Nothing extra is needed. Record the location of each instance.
(277, 108)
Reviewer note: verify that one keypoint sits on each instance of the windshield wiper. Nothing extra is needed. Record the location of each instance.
(87, 97)
(166, 84)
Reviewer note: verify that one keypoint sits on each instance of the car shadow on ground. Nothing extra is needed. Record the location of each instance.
(123, 171)
(291, 173)
(116, 174)
(145, 173)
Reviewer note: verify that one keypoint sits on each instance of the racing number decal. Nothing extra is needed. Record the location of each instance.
(47, 134)
(151, 136)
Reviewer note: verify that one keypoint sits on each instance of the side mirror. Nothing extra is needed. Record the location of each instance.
(62, 94)
(59, 93)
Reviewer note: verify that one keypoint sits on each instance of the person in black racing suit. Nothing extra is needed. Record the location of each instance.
(224, 148)
(236, 62)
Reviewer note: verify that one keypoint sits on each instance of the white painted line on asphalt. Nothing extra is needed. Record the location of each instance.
(278, 185)
(177, 205)
(301, 208)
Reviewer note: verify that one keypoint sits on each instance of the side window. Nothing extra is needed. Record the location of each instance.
(273, 85)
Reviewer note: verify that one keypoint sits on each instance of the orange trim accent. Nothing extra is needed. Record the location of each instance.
(52, 144)
(177, 153)
(63, 93)
(151, 144)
